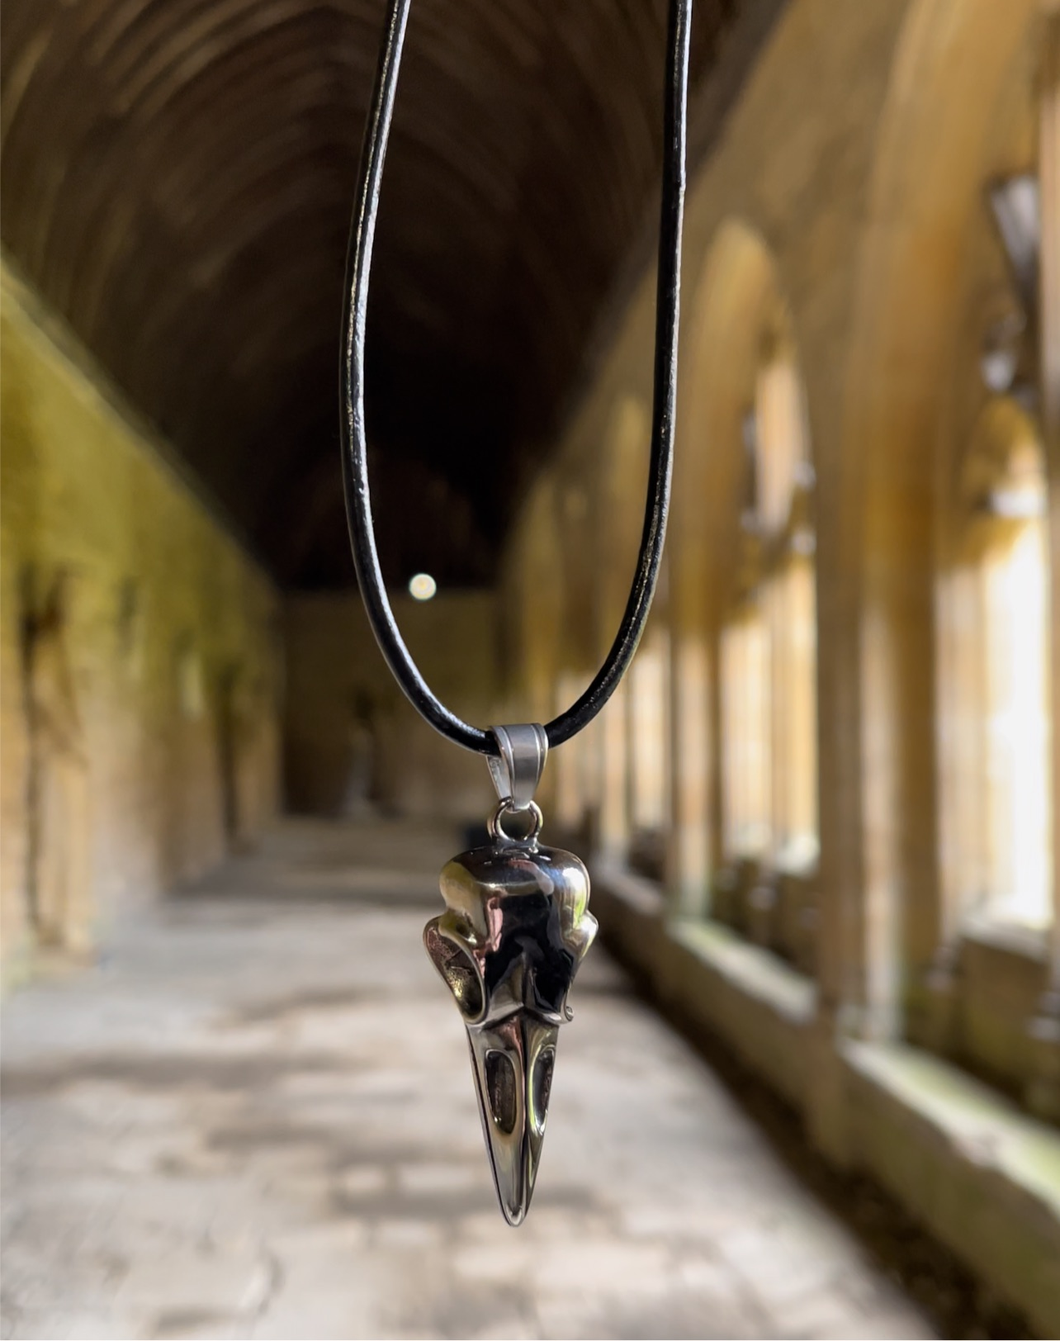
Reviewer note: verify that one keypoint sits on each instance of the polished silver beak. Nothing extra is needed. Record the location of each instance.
(513, 1063)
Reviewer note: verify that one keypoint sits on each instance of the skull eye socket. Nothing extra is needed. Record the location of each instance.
(459, 972)
(501, 1089)
(541, 1088)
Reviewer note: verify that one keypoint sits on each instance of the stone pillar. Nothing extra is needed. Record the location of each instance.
(1043, 1091)
(613, 831)
(566, 763)
(688, 852)
(617, 523)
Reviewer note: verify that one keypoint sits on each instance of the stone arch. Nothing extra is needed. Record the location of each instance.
(738, 312)
(992, 623)
(1004, 450)
(952, 60)
(737, 290)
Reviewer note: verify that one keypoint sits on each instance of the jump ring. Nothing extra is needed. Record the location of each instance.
(497, 829)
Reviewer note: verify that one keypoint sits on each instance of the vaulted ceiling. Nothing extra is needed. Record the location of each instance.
(177, 179)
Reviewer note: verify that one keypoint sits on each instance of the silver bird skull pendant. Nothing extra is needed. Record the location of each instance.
(515, 929)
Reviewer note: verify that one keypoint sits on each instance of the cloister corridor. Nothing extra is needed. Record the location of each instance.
(254, 1118)
(812, 1084)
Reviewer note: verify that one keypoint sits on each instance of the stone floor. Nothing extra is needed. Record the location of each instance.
(255, 1118)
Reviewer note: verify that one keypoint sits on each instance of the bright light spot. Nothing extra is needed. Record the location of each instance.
(422, 587)
(1018, 761)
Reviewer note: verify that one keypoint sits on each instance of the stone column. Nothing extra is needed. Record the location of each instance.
(688, 853)
(613, 833)
(1043, 1091)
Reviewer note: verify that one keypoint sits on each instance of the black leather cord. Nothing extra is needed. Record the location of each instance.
(354, 445)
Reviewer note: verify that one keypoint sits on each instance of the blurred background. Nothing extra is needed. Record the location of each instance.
(819, 813)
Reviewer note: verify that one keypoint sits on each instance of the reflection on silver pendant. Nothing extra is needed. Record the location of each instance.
(515, 929)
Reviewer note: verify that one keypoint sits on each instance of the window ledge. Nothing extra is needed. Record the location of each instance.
(980, 1125)
(984, 1177)
(637, 892)
(1011, 938)
(756, 972)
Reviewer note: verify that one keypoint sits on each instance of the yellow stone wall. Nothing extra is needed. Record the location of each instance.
(172, 631)
(336, 674)
(848, 185)
(848, 190)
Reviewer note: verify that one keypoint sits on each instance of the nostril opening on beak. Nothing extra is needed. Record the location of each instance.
(458, 970)
(541, 1089)
(501, 1089)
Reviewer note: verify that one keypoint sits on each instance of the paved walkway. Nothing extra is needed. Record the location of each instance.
(255, 1119)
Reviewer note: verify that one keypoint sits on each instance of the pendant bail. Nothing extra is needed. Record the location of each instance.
(517, 767)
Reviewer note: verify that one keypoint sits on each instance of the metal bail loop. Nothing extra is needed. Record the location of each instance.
(517, 769)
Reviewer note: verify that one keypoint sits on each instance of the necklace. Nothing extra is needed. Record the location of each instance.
(516, 924)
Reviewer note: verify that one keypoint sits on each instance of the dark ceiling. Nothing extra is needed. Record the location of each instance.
(177, 179)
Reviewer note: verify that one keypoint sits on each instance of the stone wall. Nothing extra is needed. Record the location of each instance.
(141, 655)
(848, 191)
(352, 741)
(849, 195)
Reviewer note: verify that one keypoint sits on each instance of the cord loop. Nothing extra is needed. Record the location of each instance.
(354, 444)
